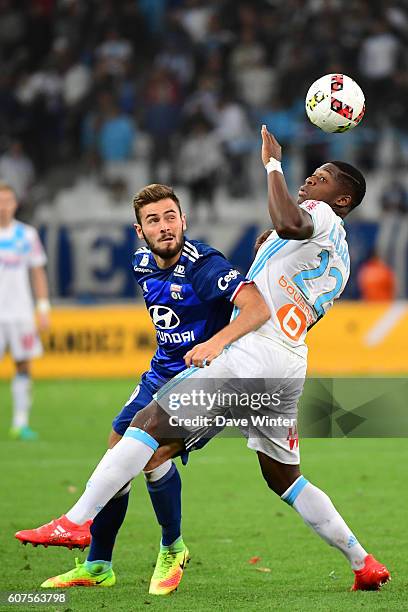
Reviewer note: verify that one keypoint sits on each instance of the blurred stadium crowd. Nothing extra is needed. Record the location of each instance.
(139, 91)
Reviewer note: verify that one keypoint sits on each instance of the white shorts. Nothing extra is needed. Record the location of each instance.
(256, 383)
(21, 338)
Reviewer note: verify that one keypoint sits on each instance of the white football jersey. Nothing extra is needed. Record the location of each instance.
(300, 279)
(20, 250)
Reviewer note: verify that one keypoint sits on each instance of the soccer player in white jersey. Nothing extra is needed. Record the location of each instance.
(300, 269)
(22, 259)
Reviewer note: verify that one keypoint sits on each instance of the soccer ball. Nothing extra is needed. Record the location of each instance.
(335, 103)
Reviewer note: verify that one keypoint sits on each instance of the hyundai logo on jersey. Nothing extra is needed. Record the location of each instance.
(164, 317)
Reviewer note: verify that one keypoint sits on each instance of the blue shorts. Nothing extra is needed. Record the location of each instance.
(140, 398)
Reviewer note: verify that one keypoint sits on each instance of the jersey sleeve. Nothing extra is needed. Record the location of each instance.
(322, 216)
(37, 256)
(213, 278)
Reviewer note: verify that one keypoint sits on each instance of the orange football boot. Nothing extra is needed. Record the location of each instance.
(371, 577)
(59, 532)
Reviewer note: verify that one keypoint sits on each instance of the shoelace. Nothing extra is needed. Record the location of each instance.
(166, 562)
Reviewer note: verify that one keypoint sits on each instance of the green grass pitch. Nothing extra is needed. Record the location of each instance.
(229, 515)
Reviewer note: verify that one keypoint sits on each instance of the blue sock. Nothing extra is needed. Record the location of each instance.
(105, 528)
(166, 499)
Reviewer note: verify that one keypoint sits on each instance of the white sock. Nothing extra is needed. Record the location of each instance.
(159, 472)
(101, 464)
(21, 391)
(118, 466)
(124, 490)
(317, 510)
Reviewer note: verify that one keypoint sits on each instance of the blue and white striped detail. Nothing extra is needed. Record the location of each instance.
(294, 490)
(141, 436)
(190, 252)
(268, 252)
(259, 264)
(174, 382)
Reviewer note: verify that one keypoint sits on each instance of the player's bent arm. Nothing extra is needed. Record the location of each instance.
(253, 312)
(289, 220)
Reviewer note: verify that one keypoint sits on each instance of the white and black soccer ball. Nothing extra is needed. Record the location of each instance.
(335, 103)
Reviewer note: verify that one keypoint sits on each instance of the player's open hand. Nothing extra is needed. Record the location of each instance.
(270, 146)
(261, 239)
(203, 354)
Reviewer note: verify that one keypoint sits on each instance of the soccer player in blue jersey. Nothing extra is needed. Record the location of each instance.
(189, 289)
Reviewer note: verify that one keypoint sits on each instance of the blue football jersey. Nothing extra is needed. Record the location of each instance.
(188, 302)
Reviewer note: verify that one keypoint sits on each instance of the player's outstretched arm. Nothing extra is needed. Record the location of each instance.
(288, 219)
(253, 312)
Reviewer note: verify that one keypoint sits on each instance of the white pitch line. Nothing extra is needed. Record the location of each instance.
(387, 322)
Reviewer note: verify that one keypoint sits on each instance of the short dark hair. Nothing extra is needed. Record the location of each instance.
(353, 179)
(153, 193)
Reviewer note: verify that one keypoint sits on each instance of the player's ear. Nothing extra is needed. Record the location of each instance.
(139, 232)
(343, 200)
(184, 222)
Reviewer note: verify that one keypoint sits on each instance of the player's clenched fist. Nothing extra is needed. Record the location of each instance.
(203, 354)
